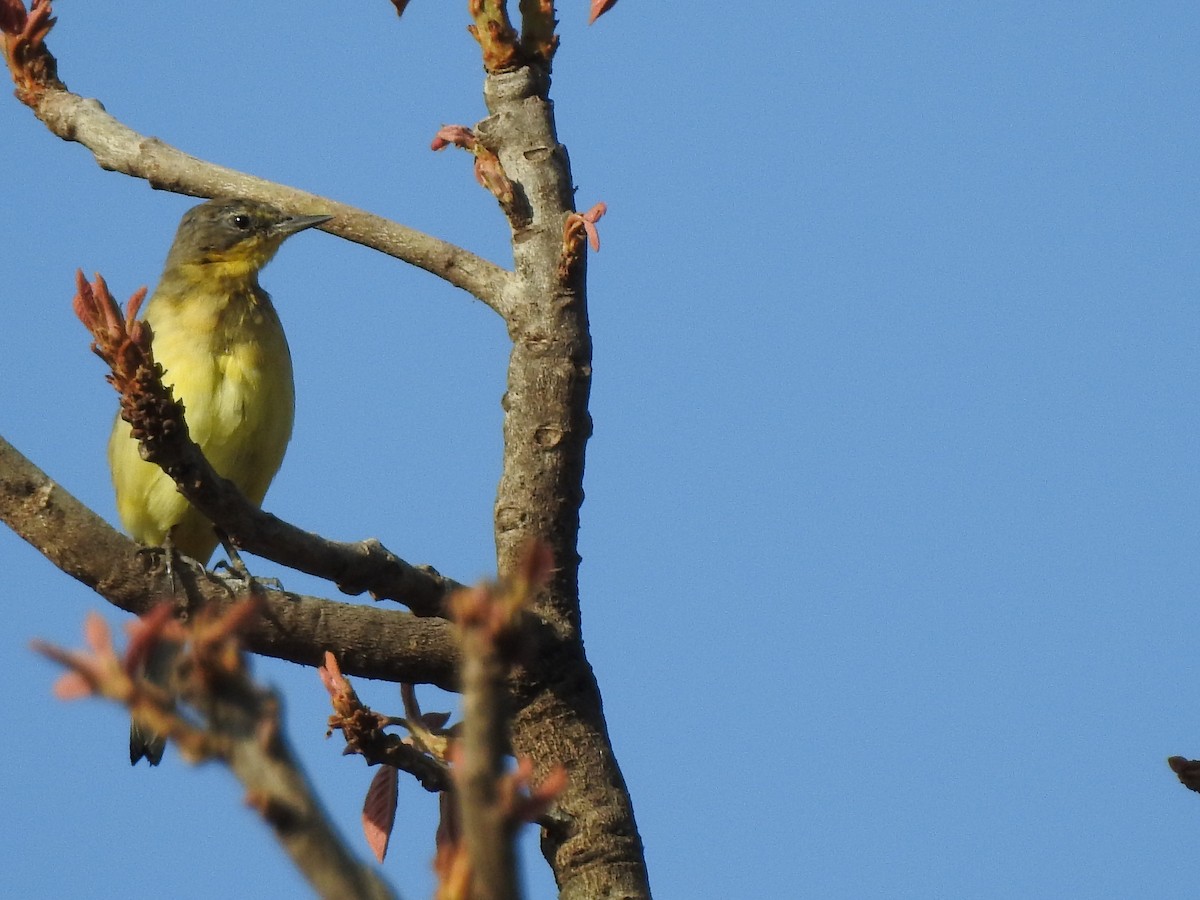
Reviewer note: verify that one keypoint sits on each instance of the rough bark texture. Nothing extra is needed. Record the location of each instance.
(546, 426)
(372, 643)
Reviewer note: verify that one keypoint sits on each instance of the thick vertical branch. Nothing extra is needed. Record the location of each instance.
(546, 426)
(546, 422)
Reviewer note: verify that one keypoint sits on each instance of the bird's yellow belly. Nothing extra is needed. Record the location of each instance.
(232, 370)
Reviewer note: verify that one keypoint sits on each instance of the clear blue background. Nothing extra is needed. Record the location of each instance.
(890, 541)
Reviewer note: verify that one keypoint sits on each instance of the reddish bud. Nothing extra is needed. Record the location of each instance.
(454, 135)
(73, 686)
(490, 174)
(599, 8)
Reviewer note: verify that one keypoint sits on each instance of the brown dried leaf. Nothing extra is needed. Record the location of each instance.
(1188, 771)
(435, 721)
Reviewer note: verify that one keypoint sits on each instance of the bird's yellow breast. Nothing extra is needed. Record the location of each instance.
(225, 357)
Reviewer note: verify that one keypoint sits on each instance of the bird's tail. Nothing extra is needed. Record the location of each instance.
(143, 742)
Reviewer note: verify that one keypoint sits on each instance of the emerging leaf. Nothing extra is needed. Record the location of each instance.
(599, 8)
(379, 811)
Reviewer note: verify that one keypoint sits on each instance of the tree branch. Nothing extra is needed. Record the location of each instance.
(236, 722)
(363, 730)
(118, 148)
(391, 645)
(559, 720)
(159, 424)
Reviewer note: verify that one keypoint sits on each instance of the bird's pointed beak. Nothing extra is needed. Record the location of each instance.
(292, 224)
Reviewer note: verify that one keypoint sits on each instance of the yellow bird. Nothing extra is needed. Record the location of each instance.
(220, 343)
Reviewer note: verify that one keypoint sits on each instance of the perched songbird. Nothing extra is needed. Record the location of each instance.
(219, 341)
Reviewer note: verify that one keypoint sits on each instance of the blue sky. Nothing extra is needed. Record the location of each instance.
(890, 539)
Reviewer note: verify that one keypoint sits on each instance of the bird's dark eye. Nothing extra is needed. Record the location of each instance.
(241, 221)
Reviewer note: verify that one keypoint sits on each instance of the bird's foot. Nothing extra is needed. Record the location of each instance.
(167, 560)
(237, 580)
